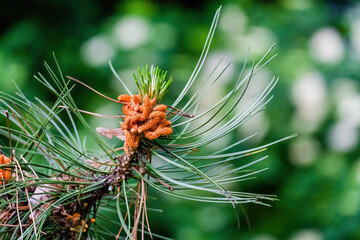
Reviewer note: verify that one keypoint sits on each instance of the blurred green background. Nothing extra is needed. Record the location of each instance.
(316, 175)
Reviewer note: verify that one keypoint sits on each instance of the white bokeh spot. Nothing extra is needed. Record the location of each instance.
(132, 31)
(97, 51)
(307, 234)
(233, 19)
(343, 137)
(326, 46)
(309, 96)
(347, 100)
(303, 151)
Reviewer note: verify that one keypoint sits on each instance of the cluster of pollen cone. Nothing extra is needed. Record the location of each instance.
(143, 118)
(5, 174)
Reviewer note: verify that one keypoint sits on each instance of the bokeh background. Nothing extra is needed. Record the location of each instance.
(316, 175)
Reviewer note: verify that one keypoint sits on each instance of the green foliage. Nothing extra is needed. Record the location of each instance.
(62, 185)
(317, 184)
(152, 82)
(68, 188)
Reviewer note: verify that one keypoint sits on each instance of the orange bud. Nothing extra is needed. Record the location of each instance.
(4, 173)
(124, 98)
(160, 108)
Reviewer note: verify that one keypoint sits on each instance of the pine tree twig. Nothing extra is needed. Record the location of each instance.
(182, 113)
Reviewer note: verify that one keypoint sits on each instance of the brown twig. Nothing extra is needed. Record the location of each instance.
(94, 114)
(121, 228)
(163, 183)
(17, 203)
(78, 81)
(26, 192)
(146, 215)
(136, 212)
(182, 113)
(148, 156)
(10, 225)
(8, 126)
